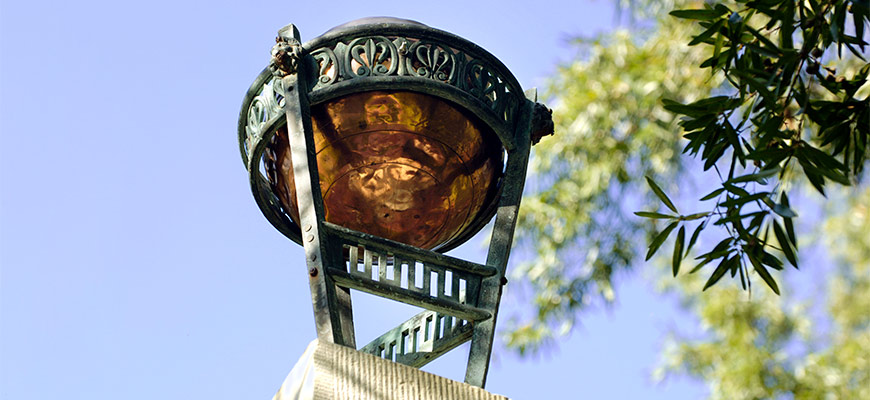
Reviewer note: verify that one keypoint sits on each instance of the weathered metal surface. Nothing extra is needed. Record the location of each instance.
(401, 165)
(412, 297)
(499, 248)
(387, 55)
(392, 270)
(392, 58)
(406, 252)
(332, 308)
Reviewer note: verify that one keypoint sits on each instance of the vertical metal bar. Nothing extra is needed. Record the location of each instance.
(367, 264)
(397, 271)
(352, 258)
(427, 279)
(499, 249)
(382, 266)
(441, 287)
(412, 276)
(332, 305)
(437, 332)
(448, 325)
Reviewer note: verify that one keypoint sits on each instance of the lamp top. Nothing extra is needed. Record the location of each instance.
(377, 21)
(386, 55)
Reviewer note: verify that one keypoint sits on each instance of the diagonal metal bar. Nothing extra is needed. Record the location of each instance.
(427, 341)
(499, 249)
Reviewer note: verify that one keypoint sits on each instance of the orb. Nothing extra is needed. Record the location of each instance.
(401, 165)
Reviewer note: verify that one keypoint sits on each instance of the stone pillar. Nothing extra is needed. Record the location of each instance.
(328, 371)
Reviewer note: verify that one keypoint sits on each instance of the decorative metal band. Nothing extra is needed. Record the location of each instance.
(265, 109)
(361, 58)
(367, 56)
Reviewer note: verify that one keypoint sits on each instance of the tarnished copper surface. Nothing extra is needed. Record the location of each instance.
(400, 165)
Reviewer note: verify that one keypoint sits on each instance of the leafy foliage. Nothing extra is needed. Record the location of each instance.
(770, 347)
(765, 97)
(784, 105)
(612, 131)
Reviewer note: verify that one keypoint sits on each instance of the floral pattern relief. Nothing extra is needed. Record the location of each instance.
(381, 56)
(371, 56)
(265, 106)
(368, 56)
(432, 61)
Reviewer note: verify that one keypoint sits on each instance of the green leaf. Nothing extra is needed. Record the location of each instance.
(713, 194)
(762, 271)
(707, 34)
(757, 84)
(678, 249)
(756, 177)
(659, 239)
(740, 200)
(765, 275)
(679, 108)
(735, 189)
(812, 173)
(704, 15)
(661, 194)
(717, 50)
(822, 159)
(789, 225)
(784, 211)
(654, 215)
(715, 104)
(784, 244)
(769, 259)
(692, 217)
(694, 238)
(787, 26)
(720, 271)
(762, 50)
(770, 46)
(698, 123)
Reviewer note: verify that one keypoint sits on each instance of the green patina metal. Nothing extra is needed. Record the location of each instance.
(461, 298)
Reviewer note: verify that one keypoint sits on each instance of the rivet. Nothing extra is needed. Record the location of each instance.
(312, 272)
(307, 227)
(310, 238)
(314, 257)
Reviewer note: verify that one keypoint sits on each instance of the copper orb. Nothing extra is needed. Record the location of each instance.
(401, 165)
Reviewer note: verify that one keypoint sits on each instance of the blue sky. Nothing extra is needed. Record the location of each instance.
(134, 262)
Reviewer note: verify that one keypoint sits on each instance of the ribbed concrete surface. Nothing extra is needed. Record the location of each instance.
(341, 373)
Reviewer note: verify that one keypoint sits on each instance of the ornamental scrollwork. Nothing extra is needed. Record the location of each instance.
(266, 106)
(431, 60)
(483, 83)
(375, 56)
(366, 56)
(327, 66)
(372, 56)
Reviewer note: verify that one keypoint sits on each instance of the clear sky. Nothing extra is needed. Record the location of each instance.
(134, 263)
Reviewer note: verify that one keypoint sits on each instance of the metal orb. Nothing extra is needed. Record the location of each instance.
(401, 165)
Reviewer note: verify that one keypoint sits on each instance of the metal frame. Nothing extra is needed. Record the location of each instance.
(461, 298)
